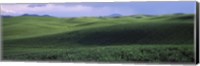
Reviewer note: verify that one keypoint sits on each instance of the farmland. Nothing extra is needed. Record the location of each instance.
(166, 38)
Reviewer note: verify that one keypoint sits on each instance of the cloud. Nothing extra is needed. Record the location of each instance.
(13, 9)
(36, 5)
(58, 10)
(5, 11)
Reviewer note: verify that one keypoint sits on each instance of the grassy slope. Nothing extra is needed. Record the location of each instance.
(23, 36)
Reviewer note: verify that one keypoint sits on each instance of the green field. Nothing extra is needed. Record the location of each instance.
(166, 38)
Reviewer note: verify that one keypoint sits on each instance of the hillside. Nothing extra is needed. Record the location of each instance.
(166, 38)
(175, 29)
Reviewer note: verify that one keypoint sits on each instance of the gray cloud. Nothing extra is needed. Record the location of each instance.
(36, 5)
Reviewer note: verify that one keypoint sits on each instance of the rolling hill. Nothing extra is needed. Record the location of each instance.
(29, 33)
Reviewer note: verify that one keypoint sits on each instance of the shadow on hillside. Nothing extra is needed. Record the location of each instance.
(134, 37)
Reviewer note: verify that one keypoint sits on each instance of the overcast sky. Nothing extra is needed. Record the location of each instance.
(99, 9)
